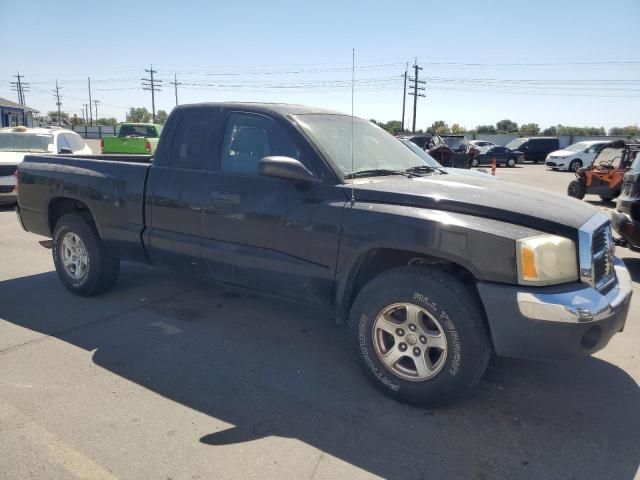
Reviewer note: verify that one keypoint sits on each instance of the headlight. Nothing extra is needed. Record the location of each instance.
(546, 260)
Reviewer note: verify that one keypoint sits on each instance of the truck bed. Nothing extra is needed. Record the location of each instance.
(111, 187)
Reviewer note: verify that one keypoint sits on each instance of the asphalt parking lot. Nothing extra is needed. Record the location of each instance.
(167, 377)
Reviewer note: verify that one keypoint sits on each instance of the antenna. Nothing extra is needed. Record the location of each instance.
(353, 81)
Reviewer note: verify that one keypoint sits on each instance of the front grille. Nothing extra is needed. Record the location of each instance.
(7, 170)
(602, 249)
(6, 188)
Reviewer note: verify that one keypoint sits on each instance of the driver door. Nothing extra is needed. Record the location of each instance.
(269, 234)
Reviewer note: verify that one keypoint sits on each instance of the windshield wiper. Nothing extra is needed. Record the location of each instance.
(376, 172)
(423, 169)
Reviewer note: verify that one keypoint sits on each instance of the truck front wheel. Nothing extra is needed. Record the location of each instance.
(81, 261)
(420, 336)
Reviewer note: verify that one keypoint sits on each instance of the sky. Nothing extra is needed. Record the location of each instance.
(547, 62)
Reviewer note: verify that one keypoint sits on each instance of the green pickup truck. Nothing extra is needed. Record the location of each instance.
(133, 138)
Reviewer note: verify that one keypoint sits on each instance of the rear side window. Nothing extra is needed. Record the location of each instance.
(250, 137)
(194, 144)
(62, 142)
(75, 141)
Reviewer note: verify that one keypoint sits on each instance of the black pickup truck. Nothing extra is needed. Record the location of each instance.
(432, 271)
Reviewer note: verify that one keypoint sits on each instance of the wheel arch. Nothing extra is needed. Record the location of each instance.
(376, 261)
(62, 205)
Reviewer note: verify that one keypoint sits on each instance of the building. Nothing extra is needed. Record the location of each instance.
(13, 114)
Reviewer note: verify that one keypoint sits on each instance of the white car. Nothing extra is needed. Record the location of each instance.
(16, 142)
(574, 156)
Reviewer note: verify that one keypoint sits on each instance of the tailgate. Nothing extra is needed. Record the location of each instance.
(124, 145)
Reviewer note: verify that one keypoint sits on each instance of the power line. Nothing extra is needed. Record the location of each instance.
(154, 86)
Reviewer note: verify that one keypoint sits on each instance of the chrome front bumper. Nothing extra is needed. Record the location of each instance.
(556, 322)
(578, 306)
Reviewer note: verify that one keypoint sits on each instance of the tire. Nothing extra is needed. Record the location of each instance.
(576, 189)
(511, 162)
(89, 269)
(607, 198)
(442, 304)
(474, 162)
(574, 165)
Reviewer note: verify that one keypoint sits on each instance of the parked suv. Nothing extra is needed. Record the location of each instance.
(450, 150)
(535, 149)
(626, 217)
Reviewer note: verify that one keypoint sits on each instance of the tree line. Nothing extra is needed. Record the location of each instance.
(137, 115)
(510, 127)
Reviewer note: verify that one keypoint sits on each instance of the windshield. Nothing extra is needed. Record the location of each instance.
(516, 143)
(578, 147)
(455, 143)
(610, 156)
(24, 142)
(421, 153)
(147, 131)
(373, 148)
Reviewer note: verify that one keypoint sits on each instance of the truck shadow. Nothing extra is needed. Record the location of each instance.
(278, 369)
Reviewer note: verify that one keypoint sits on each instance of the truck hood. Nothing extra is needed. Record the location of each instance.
(12, 158)
(485, 197)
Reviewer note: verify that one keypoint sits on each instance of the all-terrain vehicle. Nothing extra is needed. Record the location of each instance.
(604, 176)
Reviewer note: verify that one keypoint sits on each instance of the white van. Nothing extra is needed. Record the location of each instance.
(575, 156)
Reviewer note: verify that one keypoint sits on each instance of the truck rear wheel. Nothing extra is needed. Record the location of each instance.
(81, 261)
(420, 336)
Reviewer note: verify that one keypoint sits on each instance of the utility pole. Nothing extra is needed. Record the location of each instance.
(96, 102)
(153, 85)
(416, 91)
(175, 84)
(58, 104)
(20, 86)
(84, 113)
(90, 109)
(404, 93)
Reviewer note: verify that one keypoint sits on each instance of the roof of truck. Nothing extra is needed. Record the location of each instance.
(281, 108)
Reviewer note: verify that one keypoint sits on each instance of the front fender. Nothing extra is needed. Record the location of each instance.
(485, 247)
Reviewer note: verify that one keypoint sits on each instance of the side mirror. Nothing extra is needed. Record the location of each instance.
(65, 151)
(588, 150)
(285, 168)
